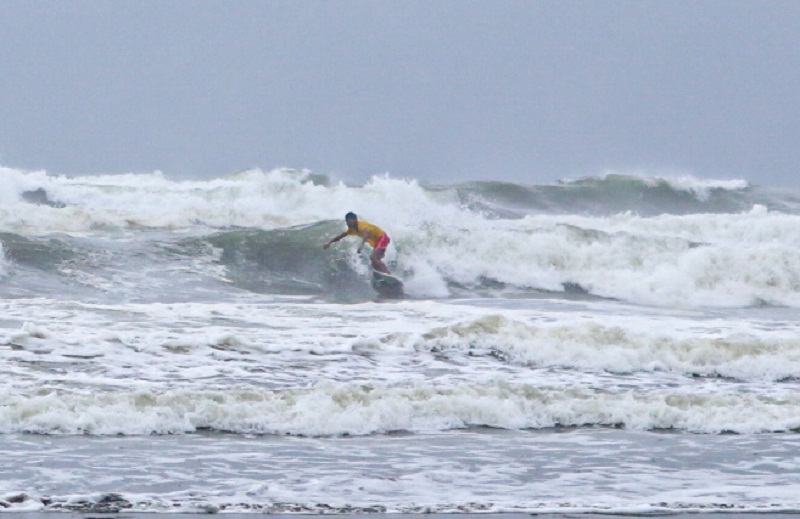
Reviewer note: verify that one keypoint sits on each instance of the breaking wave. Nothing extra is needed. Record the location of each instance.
(682, 241)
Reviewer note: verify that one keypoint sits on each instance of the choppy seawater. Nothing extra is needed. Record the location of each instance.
(610, 345)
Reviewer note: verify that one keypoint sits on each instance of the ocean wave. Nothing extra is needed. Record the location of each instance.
(265, 230)
(611, 348)
(739, 260)
(334, 409)
(710, 260)
(702, 188)
(615, 193)
(35, 202)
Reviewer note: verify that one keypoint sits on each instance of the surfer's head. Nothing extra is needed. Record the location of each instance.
(351, 219)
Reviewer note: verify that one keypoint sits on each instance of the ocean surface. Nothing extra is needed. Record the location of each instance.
(617, 344)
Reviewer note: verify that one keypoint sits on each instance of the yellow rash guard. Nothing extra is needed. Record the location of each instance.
(373, 232)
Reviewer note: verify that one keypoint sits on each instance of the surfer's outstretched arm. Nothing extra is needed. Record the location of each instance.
(335, 239)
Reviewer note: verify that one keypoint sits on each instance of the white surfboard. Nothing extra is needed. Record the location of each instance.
(387, 285)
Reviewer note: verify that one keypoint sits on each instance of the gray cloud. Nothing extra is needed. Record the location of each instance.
(530, 91)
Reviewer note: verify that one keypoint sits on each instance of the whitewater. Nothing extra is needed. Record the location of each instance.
(614, 344)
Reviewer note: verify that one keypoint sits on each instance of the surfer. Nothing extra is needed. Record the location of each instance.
(373, 234)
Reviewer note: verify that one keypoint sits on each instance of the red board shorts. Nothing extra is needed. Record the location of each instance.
(382, 242)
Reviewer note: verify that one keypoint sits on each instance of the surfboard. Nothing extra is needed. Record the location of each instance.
(387, 285)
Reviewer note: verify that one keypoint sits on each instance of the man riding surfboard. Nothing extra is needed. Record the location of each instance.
(368, 233)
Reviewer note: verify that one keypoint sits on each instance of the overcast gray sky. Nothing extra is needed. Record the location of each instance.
(440, 90)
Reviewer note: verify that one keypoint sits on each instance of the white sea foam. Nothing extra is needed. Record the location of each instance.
(702, 187)
(618, 348)
(356, 409)
(267, 200)
(244, 367)
(699, 187)
(255, 199)
(695, 260)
